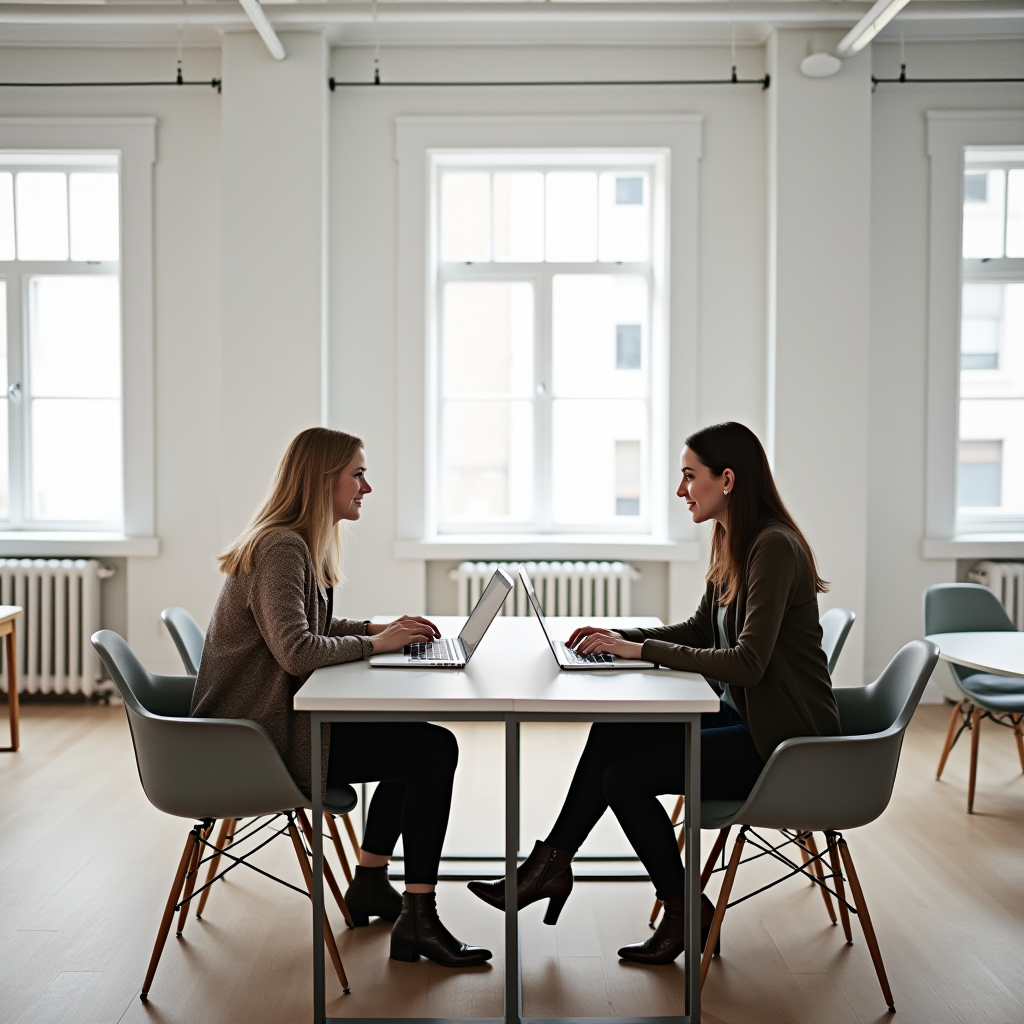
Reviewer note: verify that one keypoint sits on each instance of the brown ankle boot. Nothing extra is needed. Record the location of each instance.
(669, 940)
(545, 874)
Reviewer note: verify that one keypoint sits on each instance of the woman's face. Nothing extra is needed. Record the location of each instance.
(702, 492)
(350, 487)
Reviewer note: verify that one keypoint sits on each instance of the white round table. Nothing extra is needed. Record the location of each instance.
(1001, 653)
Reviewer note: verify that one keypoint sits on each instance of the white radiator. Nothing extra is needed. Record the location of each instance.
(563, 588)
(1006, 581)
(61, 598)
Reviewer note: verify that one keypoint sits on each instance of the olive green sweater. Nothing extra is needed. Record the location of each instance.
(775, 668)
(268, 633)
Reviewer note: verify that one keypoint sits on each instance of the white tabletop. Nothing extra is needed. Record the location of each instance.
(513, 669)
(1001, 653)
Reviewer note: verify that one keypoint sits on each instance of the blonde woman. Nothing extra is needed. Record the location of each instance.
(273, 626)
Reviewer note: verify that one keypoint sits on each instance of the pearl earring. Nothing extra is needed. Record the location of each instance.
(726, 491)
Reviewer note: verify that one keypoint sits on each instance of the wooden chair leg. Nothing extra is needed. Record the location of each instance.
(338, 848)
(224, 837)
(837, 874)
(951, 732)
(190, 879)
(1018, 731)
(352, 836)
(307, 874)
(804, 858)
(328, 873)
(819, 873)
(723, 900)
(975, 737)
(12, 689)
(172, 900)
(716, 848)
(865, 923)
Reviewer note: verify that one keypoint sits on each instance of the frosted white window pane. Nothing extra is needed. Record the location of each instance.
(75, 337)
(6, 215)
(487, 340)
(984, 213)
(624, 217)
(76, 460)
(980, 326)
(627, 478)
(487, 462)
(519, 217)
(593, 429)
(466, 217)
(597, 321)
(5, 504)
(1015, 214)
(42, 208)
(570, 214)
(3, 338)
(94, 216)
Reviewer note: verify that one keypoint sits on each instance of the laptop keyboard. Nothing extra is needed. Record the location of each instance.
(437, 650)
(586, 659)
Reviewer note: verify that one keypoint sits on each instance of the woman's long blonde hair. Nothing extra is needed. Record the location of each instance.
(301, 499)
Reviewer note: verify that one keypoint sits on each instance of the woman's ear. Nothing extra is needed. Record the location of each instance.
(728, 480)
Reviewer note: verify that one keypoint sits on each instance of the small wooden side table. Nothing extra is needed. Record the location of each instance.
(8, 613)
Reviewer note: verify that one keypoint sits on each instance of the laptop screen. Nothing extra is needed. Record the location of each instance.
(538, 611)
(486, 608)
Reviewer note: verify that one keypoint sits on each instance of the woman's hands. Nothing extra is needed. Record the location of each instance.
(595, 640)
(393, 636)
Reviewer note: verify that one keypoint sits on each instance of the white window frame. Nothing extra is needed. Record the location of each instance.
(950, 132)
(419, 140)
(133, 140)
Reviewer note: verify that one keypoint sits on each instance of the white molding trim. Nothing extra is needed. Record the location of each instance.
(949, 131)
(62, 544)
(1007, 545)
(134, 139)
(416, 140)
(523, 547)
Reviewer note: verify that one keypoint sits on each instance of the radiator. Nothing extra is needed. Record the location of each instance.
(563, 588)
(1006, 581)
(61, 602)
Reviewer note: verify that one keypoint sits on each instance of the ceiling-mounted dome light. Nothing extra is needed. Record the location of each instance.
(820, 65)
(823, 65)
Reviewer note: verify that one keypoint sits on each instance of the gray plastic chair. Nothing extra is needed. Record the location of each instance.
(829, 784)
(187, 637)
(969, 608)
(205, 769)
(836, 624)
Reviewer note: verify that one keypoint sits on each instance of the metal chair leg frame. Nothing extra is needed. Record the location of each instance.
(307, 874)
(809, 846)
(837, 874)
(224, 837)
(191, 844)
(865, 922)
(190, 879)
(338, 848)
(332, 882)
(723, 901)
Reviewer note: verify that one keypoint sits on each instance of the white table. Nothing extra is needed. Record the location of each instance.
(1001, 653)
(512, 678)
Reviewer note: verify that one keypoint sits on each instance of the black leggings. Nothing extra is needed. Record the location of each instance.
(626, 767)
(414, 762)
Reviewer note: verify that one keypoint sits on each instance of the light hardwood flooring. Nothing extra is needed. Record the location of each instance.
(85, 864)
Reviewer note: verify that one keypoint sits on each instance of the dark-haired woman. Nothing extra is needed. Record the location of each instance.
(755, 637)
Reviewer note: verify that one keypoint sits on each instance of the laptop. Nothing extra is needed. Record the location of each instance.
(454, 652)
(566, 657)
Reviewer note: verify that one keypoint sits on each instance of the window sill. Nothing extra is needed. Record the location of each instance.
(536, 547)
(974, 545)
(70, 544)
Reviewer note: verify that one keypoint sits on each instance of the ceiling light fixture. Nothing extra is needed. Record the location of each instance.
(824, 65)
(263, 27)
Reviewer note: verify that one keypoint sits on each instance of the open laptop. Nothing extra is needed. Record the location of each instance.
(454, 652)
(566, 657)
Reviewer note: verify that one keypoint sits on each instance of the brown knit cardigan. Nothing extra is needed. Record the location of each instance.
(268, 633)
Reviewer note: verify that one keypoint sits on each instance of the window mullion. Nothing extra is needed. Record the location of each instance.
(17, 297)
(545, 439)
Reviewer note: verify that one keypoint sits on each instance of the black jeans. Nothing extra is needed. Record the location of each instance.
(414, 762)
(626, 767)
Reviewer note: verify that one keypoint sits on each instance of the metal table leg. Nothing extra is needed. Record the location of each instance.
(513, 982)
(315, 775)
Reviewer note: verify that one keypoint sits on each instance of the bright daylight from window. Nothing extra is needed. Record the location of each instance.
(60, 375)
(990, 488)
(544, 291)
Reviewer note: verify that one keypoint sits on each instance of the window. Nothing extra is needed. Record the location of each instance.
(544, 296)
(61, 461)
(990, 480)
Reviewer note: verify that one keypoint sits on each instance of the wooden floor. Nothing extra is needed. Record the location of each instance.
(85, 864)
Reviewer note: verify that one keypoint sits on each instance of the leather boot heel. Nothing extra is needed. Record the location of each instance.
(407, 956)
(555, 905)
(359, 920)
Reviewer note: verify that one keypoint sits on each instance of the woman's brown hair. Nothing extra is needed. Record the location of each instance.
(301, 499)
(753, 502)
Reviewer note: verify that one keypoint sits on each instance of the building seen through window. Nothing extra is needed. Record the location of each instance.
(60, 331)
(544, 312)
(990, 477)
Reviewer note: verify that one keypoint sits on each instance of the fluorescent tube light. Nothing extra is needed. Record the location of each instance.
(869, 26)
(263, 27)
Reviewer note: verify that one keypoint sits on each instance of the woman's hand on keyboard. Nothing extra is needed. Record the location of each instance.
(593, 640)
(409, 629)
